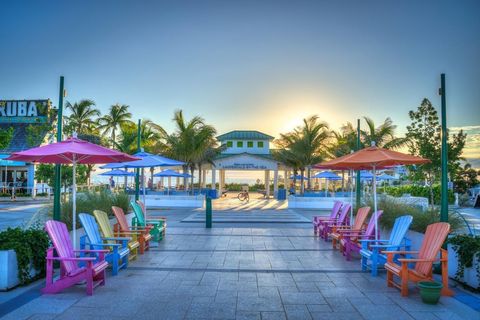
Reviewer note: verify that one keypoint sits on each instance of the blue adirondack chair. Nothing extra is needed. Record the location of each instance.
(118, 255)
(371, 249)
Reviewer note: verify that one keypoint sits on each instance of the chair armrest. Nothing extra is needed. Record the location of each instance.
(105, 244)
(94, 251)
(372, 240)
(417, 260)
(382, 246)
(72, 259)
(399, 252)
(157, 218)
(117, 238)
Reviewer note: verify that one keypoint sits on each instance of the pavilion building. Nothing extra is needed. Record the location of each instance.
(247, 150)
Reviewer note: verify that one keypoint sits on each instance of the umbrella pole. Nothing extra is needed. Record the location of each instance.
(143, 186)
(351, 197)
(74, 202)
(326, 188)
(375, 201)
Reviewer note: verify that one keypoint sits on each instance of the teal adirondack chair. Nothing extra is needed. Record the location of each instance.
(371, 249)
(118, 253)
(158, 226)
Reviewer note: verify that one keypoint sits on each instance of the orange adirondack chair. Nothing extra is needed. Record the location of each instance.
(428, 254)
(122, 228)
(339, 230)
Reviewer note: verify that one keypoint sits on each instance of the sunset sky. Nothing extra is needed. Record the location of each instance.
(260, 65)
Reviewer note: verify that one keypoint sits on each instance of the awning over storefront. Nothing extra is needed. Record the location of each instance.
(9, 163)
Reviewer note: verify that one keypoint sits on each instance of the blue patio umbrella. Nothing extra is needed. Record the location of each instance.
(118, 173)
(366, 175)
(297, 177)
(327, 175)
(147, 160)
(171, 173)
(385, 176)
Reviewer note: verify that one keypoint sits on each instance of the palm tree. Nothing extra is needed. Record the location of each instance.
(345, 142)
(117, 116)
(383, 135)
(191, 143)
(305, 146)
(82, 116)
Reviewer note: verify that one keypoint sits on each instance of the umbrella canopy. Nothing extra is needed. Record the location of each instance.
(72, 151)
(327, 175)
(369, 158)
(386, 177)
(147, 160)
(118, 173)
(298, 177)
(372, 158)
(171, 173)
(69, 151)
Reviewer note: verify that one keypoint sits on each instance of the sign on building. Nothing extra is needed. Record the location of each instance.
(24, 111)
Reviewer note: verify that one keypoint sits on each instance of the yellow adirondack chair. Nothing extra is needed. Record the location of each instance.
(428, 254)
(107, 232)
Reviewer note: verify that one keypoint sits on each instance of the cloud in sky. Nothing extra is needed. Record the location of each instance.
(472, 146)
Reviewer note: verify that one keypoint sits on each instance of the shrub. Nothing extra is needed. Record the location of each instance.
(30, 245)
(467, 248)
(420, 191)
(421, 219)
(91, 200)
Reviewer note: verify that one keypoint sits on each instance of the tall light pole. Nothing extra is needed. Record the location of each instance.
(358, 190)
(137, 170)
(58, 168)
(444, 157)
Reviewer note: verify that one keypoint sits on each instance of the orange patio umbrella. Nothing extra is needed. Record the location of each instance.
(372, 158)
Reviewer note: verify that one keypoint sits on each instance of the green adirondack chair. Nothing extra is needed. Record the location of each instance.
(157, 226)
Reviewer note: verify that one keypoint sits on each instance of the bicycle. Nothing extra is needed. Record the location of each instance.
(243, 196)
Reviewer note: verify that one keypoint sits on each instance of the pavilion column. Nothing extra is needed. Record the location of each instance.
(267, 183)
(275, 182)
(204, 178)
(214, 178)
(286, 185)
(221, 180)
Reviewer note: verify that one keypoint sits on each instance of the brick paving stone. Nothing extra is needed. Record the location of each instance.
(273, 316)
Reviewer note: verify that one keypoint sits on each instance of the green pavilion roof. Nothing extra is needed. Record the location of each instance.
(229, 155)
(244, 135)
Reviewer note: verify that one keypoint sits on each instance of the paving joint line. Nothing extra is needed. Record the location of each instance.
(238, 235)
(244, 270)
(239, 250)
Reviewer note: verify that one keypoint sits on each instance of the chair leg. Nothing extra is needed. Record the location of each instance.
(389, 278)
(89, 278)
(375, 266)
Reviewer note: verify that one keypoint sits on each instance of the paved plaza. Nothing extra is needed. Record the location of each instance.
(236, 271)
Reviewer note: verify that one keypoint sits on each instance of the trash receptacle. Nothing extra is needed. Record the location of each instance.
(212, 193)
(282, 194)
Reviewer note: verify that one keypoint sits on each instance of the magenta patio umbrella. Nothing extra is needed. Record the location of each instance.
(72, 151)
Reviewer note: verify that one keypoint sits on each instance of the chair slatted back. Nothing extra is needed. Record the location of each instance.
(104, 223)
(360, 218)
(142, 206)
(91, 229)
(432, 243)
(121, 219)
(399, 231)
(344, 213)
(335, 210)
(58, 233)
(371, 224)
(137, 210)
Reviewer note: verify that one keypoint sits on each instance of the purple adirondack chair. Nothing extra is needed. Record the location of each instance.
(71, 269)
(350, 242)
(325, 227)
(318, 219)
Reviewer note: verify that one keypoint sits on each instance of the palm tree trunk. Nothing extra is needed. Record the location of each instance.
(309, 184)
(302, 187)
(192, 171)
(185, 170)
(113, 138)
(200, 176)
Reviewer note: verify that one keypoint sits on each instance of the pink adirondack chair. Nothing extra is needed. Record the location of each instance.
(318, 219)
(351, 241)
(325, 227)
(73, 269)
